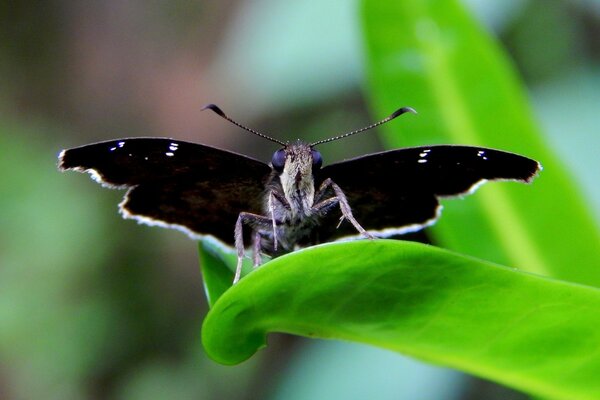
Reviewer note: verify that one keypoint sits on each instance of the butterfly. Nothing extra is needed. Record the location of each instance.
(294, 201)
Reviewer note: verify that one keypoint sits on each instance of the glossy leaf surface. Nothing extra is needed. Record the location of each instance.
(533, 333)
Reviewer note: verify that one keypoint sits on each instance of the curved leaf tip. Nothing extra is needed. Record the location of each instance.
(492, 321)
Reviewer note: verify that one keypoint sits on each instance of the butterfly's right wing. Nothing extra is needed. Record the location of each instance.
(398, 191)
(195, 188)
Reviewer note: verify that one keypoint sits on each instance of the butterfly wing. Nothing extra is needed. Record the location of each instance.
(397, 191)
(188, 186)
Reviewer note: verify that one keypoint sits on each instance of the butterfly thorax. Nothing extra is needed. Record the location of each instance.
(290, 195)
(296, 181)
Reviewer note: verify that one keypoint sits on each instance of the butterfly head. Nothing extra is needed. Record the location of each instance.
(295, 165)
(297, 161)
(298, 156)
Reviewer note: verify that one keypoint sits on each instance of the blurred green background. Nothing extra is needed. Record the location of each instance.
(94, 307)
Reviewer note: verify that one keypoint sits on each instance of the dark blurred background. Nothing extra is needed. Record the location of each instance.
(95, 307)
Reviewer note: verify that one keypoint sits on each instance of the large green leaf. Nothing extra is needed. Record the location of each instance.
(431, 55)
(533, 333)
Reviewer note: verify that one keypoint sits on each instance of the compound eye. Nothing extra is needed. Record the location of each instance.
(317, 159)
(278, 160)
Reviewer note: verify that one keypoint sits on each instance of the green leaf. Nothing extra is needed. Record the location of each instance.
(215, 261)
(533, 333)
(218, 263)
(431, 55)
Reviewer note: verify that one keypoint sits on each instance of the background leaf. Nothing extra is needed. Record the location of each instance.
(533, 333)
(432, 56)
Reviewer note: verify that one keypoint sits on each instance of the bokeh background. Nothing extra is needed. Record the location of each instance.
(94, 307)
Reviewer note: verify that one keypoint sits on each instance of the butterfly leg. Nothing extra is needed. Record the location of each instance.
(280, 198)
(253, 220)
(340, 198)
(256, 248)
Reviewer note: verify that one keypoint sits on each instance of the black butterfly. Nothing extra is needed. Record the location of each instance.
(293, 201)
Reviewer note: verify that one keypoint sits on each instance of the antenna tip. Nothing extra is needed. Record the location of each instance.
(401, 111)
(215, 109)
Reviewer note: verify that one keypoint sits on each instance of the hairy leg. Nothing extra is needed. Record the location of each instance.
(340, 198)
(256, 248)
(254, 220)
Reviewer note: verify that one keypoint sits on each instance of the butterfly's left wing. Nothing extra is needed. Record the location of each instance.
(195, 188)
(397, 191)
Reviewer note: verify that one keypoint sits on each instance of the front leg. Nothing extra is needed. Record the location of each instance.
(340, 198)
(256, 248)
(280, 198)
(254, 220)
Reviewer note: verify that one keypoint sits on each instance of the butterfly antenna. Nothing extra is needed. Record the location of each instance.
(220, 113)
(396, 113)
